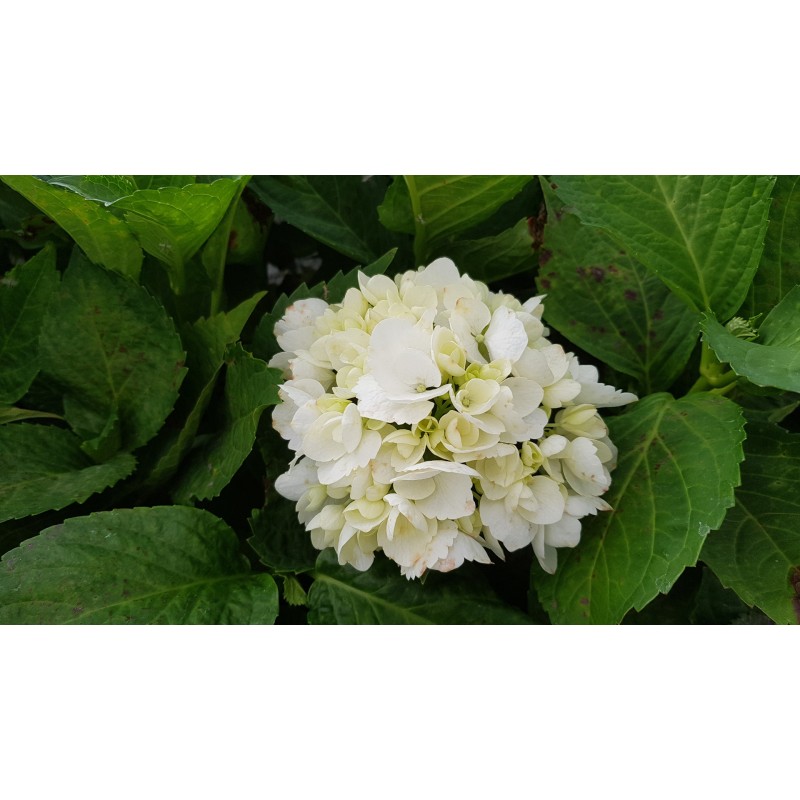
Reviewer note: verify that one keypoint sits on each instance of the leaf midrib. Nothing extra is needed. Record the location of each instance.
(686, 242)
(21, 313)
(141, 597)
(341, 220)
(371, 598)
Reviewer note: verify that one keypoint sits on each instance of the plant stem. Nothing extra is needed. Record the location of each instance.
(700, 385)
(420, 232)
(723, 389)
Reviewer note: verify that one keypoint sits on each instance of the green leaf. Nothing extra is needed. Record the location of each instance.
(172, 223)
(162, 181)
(44, 468)
(779, 269)
(333, 291)
(14, 414)
(248, 232)
(678, 464)
(716, 605)
(15, 210)
(337, 210)
(293, 592)
(279, 540)
(607, 303)
(382, 596)
(772, 361)
(206, 341)
(215, 251)
(113, 351)
(435, 207)
(781, 327)
(250, 387)
(527, 204)
(763, 405)
(103, 188)
(494, 257)
(702, 236)
(163, 565)
(757, 551)
(25, 293)
(105, 239)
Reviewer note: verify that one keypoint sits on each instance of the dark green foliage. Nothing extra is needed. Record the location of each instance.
(137, 320)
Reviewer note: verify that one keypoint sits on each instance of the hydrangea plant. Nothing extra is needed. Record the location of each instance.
(317, 399)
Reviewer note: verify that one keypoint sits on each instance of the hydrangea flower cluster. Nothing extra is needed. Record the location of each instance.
(432, 419)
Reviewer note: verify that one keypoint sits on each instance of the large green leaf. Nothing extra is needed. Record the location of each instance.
(279, 540)
(779, 270)
(435, 207)
(337, 210)
(114, 353)
(757, 551)
(43, 468)
(214, 254)
(703, 236)
(206, 341)
(172, 223)
(604, 301)
(772, 361)
(250, 387)
(494, 257)
(345, 596)
(104, 238)
(25, 293)
(103, 188)
(160, 181)
(678, 466)
(136, 566)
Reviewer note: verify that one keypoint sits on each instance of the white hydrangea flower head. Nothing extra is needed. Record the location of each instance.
(433, 420)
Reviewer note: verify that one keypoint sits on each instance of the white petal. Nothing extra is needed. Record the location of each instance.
(564, 533)
(601, 395)
(300, 477)
(510, 529)
(434, 467)
(548, 557)
(527, 394)
(579, 506)
(318, 442)
(352, 427)
(549, 498)
(373, 403)
(464, 548)
(408, 543)
(506, 336)
(300, 314)
(440, 272)
(452, 498)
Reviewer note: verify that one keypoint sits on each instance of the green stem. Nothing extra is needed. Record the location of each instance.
(700, 385)
(723, 389)
(708, 359)
(721, 381)
(420, 232)
(216, 250)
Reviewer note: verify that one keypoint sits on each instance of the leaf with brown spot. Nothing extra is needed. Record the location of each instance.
(702, 235)
(610, 305)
